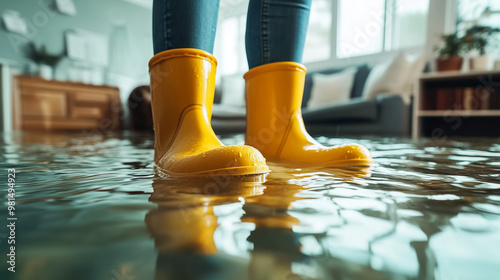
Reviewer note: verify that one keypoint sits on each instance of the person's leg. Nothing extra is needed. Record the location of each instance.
(274, 85)
(182, 86)
(276, 31)
(184, 24)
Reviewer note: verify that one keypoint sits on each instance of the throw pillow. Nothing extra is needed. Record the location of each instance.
(233, 91)
(417, 68)
(389, 77)
(331, 89)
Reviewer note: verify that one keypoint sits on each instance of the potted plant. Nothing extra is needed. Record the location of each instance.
(478, 38)
(449, 58)
(46, 62)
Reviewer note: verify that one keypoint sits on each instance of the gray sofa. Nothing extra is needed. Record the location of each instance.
(386, 115)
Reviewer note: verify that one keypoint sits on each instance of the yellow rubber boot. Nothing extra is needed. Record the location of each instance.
(182, 86)
(274, 119)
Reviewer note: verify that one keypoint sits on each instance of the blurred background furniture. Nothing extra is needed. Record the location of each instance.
(139, 105)
(40, 104)
(457, 104)
(359, 100)
(386, 114)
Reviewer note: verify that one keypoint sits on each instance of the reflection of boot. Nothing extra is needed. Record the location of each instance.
(182, 85)
(184, 239)
(183, 192)
(274, 119)
(185, 219)
(275, 245)
(189, 229)
(184, 224)
(274, 252)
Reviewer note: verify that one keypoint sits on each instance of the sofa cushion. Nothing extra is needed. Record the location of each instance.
(233, 91)
(395, 76)
(357, 87)
(331, 89)
(418, 62)
(360, 81)
(356, 109)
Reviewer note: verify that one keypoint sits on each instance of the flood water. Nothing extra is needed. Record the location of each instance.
(89, 207)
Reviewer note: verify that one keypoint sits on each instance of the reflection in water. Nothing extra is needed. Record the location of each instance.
(184, 224)
(90, 204)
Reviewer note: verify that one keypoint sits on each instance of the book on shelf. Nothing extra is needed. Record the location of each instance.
(459, 99)
(428, 101)
(444, 98)
(495, 99)
(484, 98)
(469, 101)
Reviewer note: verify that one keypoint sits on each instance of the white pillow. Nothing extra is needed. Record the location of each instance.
(331, 89)
(389, 77)
(233, 91)
(418, 65)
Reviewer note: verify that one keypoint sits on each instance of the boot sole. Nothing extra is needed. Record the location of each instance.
(233, 171)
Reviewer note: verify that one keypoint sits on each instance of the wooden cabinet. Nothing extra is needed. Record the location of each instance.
(53, 105)
(457, 104)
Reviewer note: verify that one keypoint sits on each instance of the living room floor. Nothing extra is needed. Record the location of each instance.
(91, 204)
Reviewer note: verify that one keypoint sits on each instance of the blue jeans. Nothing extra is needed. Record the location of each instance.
(276, 29)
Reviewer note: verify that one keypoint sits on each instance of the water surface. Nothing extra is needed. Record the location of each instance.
(90, 207)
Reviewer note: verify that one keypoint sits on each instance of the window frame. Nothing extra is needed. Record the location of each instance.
(387, 50)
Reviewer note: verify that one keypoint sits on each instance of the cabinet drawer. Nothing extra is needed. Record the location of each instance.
(94, 98)
(44, 104)
(87, 112)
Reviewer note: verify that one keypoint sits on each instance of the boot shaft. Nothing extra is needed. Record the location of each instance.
(273, 95)
(180, 78)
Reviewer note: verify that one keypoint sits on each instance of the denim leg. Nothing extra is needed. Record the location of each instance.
(184, 24)
(276, 30)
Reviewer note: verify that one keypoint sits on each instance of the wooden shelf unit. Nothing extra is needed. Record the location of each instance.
(40, 104)
(457, 103)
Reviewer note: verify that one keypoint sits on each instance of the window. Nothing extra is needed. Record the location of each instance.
(480, 12)
(230, 42)
(361, 27)
(483, 12)
(318, 40)
(230, 45)
(337, 29)
(410, 23)
(368, 27)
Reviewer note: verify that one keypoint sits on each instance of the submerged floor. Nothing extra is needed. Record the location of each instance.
(89, 207)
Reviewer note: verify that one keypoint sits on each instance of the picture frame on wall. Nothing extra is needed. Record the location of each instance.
(88, 47)
(13, 22)
(66, 7)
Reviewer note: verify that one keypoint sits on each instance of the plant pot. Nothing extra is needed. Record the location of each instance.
(479, 63)
(453, 63)
(46, 72)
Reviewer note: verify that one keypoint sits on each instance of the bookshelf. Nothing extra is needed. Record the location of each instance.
(457, 104)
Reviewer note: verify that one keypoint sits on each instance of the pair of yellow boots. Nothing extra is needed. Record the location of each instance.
(182, 85)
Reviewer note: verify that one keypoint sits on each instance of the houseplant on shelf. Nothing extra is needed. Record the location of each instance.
(449, 58)
(478, 38)
(46, 62)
